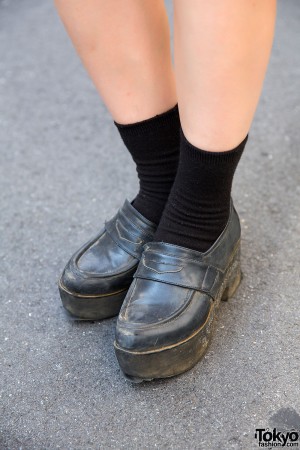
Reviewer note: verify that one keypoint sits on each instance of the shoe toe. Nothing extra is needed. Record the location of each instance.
(100, 268)
(155, 315)
(104, 258)
(96, 278)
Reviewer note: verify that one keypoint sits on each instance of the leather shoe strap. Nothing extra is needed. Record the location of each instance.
(130, 230)
(166, 267)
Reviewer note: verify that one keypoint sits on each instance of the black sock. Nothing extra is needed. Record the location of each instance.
(199, 203)
(154, 147)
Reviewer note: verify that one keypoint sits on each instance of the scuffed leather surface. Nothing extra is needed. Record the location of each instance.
(173, 291)
(106, 263)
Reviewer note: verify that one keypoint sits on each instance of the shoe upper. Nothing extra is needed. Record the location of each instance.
(107, 262)
(173, 291)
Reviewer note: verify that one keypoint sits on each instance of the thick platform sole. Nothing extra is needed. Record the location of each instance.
(91, 307)
(178, 358)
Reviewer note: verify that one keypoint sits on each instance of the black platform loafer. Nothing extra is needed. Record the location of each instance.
(95, 281)
(165, 323)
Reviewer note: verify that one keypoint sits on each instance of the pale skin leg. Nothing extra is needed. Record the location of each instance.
(222, 49)
(125, 46)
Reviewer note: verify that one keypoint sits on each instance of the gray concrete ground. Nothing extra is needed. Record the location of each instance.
(63, 171)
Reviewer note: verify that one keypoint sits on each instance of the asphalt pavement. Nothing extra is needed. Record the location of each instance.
(63, 171)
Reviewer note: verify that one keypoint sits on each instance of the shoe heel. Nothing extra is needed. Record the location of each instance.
(234, 279)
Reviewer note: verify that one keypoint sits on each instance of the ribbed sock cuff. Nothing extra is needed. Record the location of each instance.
(209, 157)
(160, 121)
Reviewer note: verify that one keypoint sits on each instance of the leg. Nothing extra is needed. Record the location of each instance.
(222, 49)
(125, 46)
